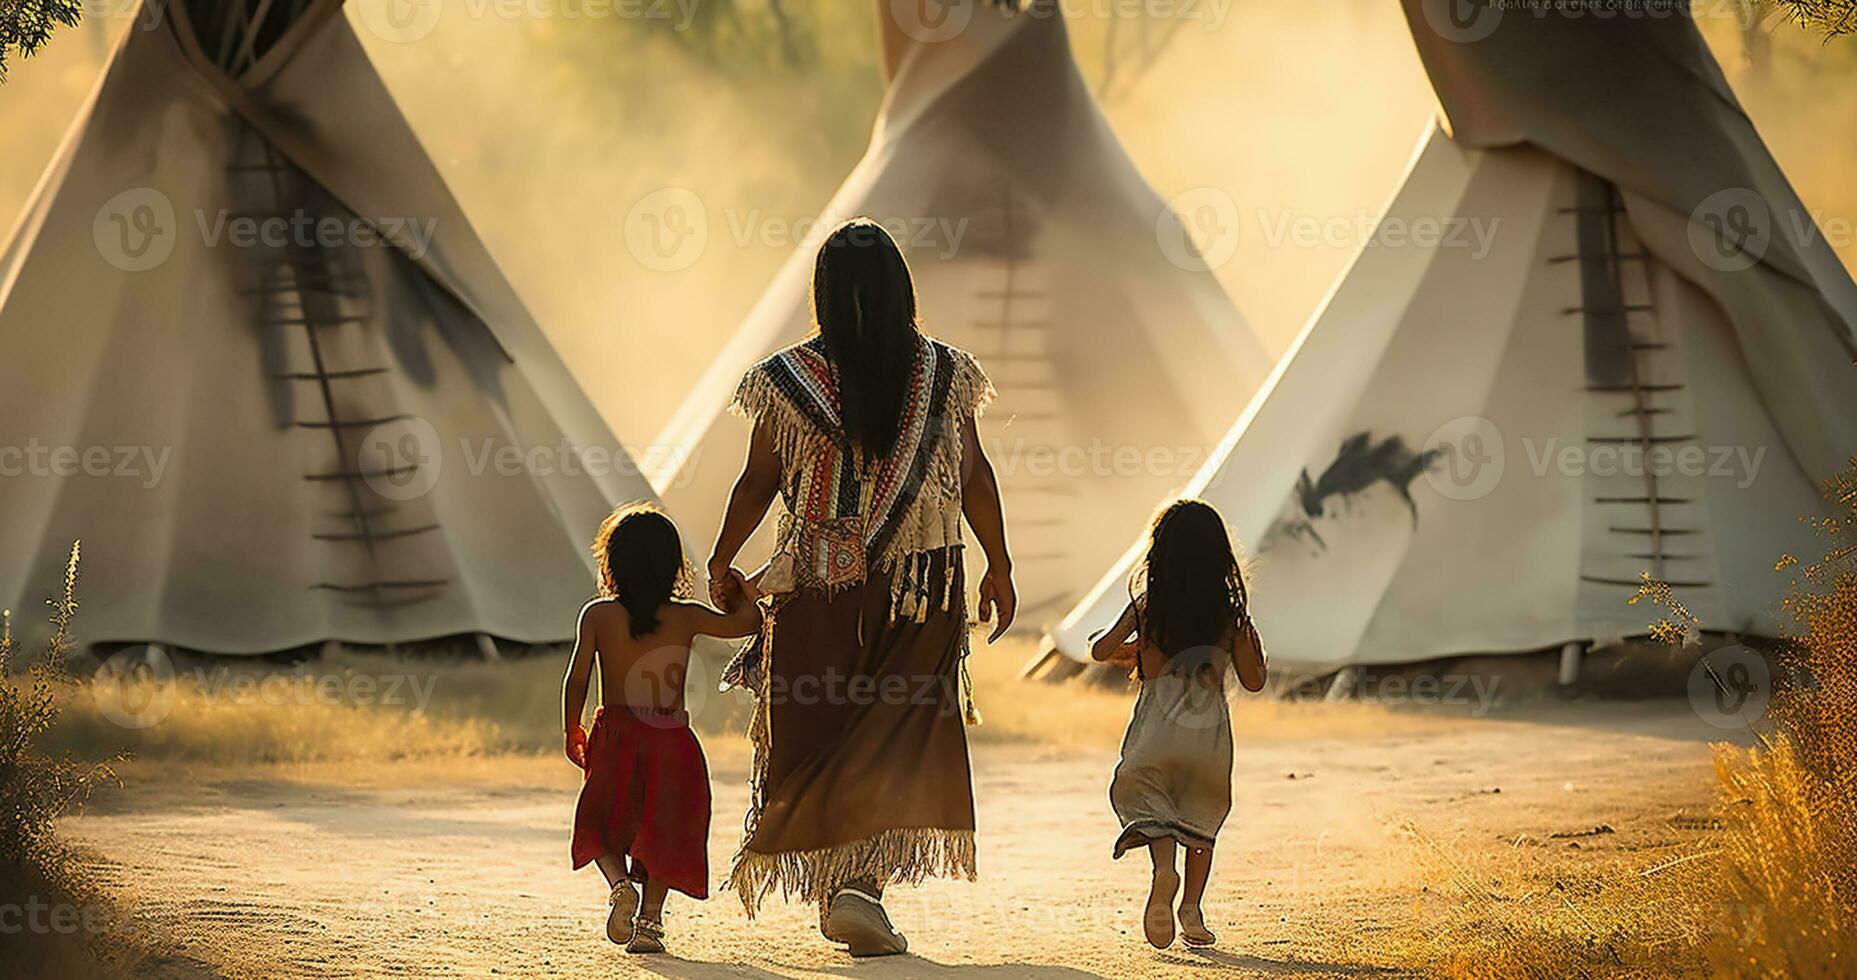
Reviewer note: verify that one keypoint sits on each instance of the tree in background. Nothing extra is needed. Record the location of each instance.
(1833, 17)
(25, 25)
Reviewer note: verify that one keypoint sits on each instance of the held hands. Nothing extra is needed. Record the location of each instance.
(998, 595)
(721, 583)
(577, 746)
(729, 589)
(745, 586)
(739, 592)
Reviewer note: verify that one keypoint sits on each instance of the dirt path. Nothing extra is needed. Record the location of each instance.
(460, 870)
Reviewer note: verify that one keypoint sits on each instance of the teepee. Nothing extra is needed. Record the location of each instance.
(260, 363)
(1548, 372)
(1038, 247)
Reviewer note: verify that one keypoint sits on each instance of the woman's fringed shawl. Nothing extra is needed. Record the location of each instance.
(849, 518)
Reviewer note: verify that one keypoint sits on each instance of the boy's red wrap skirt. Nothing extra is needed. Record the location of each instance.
(646, 796)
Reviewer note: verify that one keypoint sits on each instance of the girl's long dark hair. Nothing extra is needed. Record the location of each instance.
(864, 301)
(1194, 590)
(641, 563)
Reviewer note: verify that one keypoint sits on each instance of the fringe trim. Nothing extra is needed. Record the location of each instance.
(762, 402)
(932, 519)
(970, 709)
(904, 855)
(972, 392)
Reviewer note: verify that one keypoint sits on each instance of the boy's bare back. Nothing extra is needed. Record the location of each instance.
(648, 671)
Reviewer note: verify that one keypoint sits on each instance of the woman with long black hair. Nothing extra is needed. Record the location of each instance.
(866, 432)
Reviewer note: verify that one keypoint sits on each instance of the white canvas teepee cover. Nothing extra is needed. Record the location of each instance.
(1117, 367)
(295, 438)
(1479, 449)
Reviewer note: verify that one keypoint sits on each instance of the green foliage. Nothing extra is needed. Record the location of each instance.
(25, 25)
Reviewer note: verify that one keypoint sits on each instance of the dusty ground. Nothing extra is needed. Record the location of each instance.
(459, 869)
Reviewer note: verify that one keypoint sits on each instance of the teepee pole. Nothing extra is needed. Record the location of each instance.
(1570, 656)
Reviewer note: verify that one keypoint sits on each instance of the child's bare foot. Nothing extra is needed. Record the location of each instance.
(624, 903)
(1157, 922)
(647, 936)
(1193, 927)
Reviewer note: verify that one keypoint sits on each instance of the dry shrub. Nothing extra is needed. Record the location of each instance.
(1789, 865)
(36, 787)
(1785, 870)
(1833, 18)
(1772, 894)
(37, 871)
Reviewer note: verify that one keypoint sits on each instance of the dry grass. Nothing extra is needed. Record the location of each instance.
(346, 708)
(387, 709)
(1084, 715)
(1785, 872)
(38, 784)
(1644, 908)
(1789, 864)
(1771, 893)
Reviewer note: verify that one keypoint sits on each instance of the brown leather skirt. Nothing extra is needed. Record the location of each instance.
(861, 770)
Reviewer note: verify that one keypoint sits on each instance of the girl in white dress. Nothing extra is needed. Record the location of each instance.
(1186, 627)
